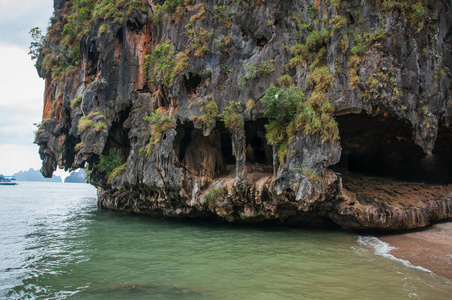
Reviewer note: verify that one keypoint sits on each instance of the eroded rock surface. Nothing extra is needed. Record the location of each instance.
(153, 132)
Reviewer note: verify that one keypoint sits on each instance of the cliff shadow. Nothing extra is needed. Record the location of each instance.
(206, 156)
(213, 156)
(258, 151)
(383, 146)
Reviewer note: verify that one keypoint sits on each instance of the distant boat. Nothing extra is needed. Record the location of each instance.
(7, 180)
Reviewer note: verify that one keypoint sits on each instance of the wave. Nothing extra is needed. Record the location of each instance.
(383, 249)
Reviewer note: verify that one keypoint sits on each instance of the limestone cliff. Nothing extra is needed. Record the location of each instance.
(302, 111)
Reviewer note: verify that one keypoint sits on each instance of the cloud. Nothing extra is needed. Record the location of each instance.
(17, 17)
(22, 96)
(22, 91)
(15, 158)
(16, 126)
(20, 104)
(19, 81)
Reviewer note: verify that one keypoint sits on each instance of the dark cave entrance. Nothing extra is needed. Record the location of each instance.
(118, 137)
(199, 153)
(258, 151)
(192, 84)
(183, 139)
(226, 143)
(194, 151)
(383, 146)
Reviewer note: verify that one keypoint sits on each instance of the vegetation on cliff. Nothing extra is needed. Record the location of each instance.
(60, 48)
(111, 164)
(290, 112)
(159, 124)
(182, 89)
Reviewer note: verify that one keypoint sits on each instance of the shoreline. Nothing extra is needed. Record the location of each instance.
(429, 248)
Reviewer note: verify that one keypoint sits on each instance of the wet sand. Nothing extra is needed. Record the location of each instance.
(430, 248)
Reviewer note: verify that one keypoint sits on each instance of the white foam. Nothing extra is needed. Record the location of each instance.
(383, 249)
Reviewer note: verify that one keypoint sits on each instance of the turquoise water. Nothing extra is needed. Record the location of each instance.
(56, 244)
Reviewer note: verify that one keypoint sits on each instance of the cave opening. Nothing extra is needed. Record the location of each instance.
(183, 139)
(383, 146)
(92, 61)
(203, 154)
(261, 42)
(258, 151)
(118, 136)
(134, 25)
(226, 143)
(192, 84)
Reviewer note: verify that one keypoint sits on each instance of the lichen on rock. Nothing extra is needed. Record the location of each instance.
(252, 110)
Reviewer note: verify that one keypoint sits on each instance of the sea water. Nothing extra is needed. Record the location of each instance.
(56, 244)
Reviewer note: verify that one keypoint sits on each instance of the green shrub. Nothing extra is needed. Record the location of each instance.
(415, 11)
(317, 38)
(181, 64)
(103, 29)
(226, 69)
(223, 44)
(95, 113)
(108, 163)
(210, 111)
(281, 104)
(160, 63)
(84, 124)
(117, 10)
(159, 124)
(285, 81)
(250, 104)
(116, 172)
(76, 102)
(111, 165)
(302, 55)
(321, 78)
(256, 71)
(338, 22)
(223, 13)
(231, 116)
(79, 146)
(335, 3)
(170, 9)
(289, 112)
(100, 125)
(163, 64)
(214, 194)
(312, 51)
(312, 176)
(38, 132)
(198, 38)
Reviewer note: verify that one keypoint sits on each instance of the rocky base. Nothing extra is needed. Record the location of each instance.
(387, 204)
(364, 203)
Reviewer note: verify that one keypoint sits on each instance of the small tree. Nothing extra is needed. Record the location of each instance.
(280, 105)
(37, 44)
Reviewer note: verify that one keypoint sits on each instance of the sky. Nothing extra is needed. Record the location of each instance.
(21, 89)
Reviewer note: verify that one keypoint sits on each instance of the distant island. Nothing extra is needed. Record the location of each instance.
(76, 177)
(35, 175)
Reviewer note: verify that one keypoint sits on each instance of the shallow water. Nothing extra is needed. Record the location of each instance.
(55, 243)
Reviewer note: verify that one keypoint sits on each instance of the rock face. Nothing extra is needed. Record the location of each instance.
(162, 103)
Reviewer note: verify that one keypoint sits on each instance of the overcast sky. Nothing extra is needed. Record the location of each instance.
(21, 90)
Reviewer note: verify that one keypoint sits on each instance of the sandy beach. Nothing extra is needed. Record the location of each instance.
(430, 248)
